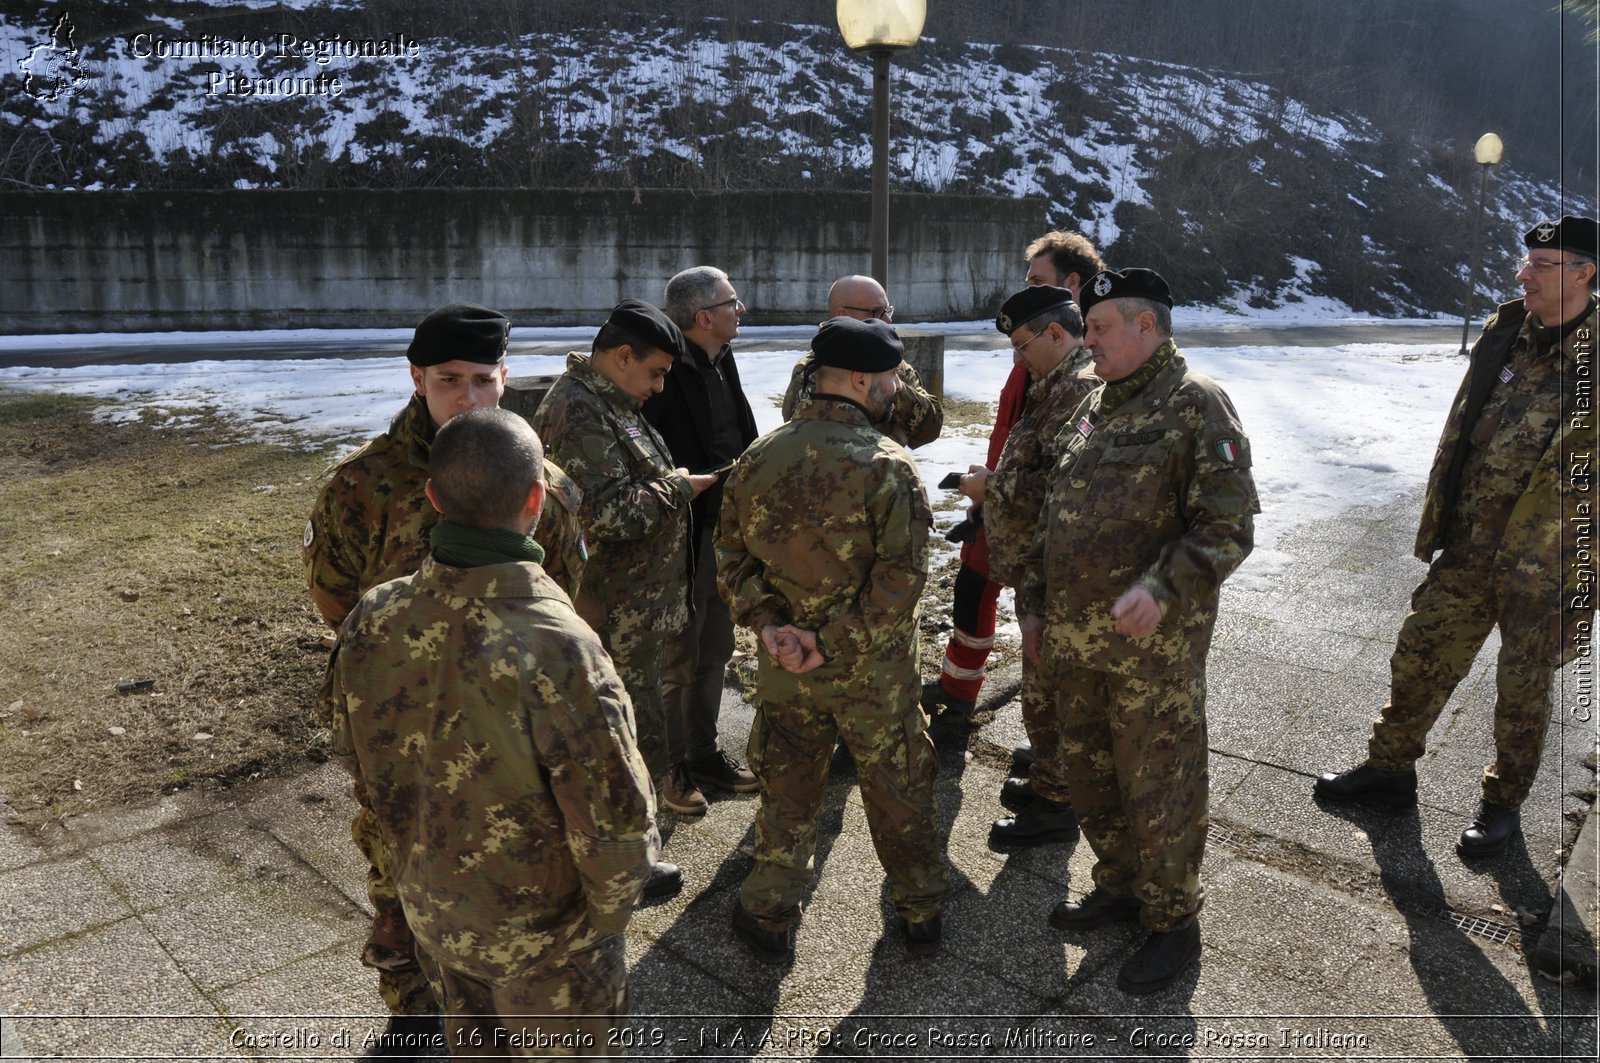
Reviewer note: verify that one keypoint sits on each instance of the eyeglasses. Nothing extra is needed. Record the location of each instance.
(882, 312)
(735, 301)
(1018, 348)
(1545, 265)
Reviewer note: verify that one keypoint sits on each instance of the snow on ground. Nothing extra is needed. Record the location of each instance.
(1330, 427)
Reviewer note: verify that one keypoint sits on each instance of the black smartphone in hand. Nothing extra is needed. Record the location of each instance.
(950, 482)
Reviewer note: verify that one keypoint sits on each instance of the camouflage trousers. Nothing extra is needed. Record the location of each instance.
(1135, 752)
(639, 665)
(798, 719)
(1453, 610)
(1048, 776)
(576, 1009)
(390, 948)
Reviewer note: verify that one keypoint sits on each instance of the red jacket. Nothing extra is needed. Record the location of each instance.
(975, 553)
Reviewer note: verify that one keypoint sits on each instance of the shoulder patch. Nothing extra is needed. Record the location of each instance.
(1228, 450)
(310, 536)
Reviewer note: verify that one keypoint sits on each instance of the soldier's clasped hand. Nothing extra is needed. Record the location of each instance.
(1137, 613)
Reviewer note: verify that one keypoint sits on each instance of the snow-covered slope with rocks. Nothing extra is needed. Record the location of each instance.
(1252, 198)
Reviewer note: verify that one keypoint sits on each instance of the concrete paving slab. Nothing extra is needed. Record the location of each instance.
(201, 856)
(1478, 995)
(280, 925)
(1262, 919)
(311, 819)
(16, 848)
(1261, 710)
(1226, 773)
(1004, 930)
(313, 1004)
(109, 825)
(884, 1002)
(1279, 803)
(1290, 643)
(1381, 555)
(45, 901)
(66, 997)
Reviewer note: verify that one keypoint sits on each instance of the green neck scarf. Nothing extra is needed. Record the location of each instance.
(463, 547)
(1120, 392)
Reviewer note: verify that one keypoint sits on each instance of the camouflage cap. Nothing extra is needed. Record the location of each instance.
(463, 332)
(859, 346)
(1131, 283)
(1571, 233)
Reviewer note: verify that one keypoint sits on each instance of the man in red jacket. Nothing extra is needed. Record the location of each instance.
(1066, 260)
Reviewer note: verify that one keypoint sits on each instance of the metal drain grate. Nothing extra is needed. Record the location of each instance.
(1220, 835)
(1487, 929)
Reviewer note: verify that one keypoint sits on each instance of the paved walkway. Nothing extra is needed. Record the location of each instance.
(228, 926)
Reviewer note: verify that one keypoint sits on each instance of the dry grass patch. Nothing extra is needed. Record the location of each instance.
(161, 559)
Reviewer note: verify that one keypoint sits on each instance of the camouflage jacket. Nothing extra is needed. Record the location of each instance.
(371, 520)
(635, 510)
(1516, 456)
(1157, 493)
(497, 743)
(825, 525)
(1015, 491)
(917, 417)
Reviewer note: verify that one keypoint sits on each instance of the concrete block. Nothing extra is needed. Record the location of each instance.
(1568, 942)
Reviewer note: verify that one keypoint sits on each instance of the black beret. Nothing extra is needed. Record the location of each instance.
(463, 332)
(859, 346)
(649, 326)
(1132, 283)
(1028, 304)
(1569, 234)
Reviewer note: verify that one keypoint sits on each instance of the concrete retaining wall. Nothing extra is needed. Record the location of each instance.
(145, 261)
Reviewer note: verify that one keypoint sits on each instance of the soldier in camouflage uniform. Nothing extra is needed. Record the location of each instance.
(917, 417)
(635, 511)
(822, 549)
(1510, 475)
(1062, 260)
(1151, 508)
(370, 524)
(498, 747)
(1046, 330)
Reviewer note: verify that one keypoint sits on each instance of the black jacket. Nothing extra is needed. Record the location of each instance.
(681, 414)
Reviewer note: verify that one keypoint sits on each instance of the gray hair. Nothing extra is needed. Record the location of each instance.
(1067, 315)
(1132, 308)
(688, 293)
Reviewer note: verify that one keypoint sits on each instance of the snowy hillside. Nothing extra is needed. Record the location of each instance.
(1240, 193)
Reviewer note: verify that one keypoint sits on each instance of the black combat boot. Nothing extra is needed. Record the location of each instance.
(1490, 832)
(1369, 785)
(1016, 793)
(1096, 909)
(923, 937)
(770, 946)
(1160, 960)
(665, 880)
(1042, 822)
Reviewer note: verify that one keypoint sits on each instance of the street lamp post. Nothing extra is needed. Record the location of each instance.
(1487, 151)
(880, 28)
